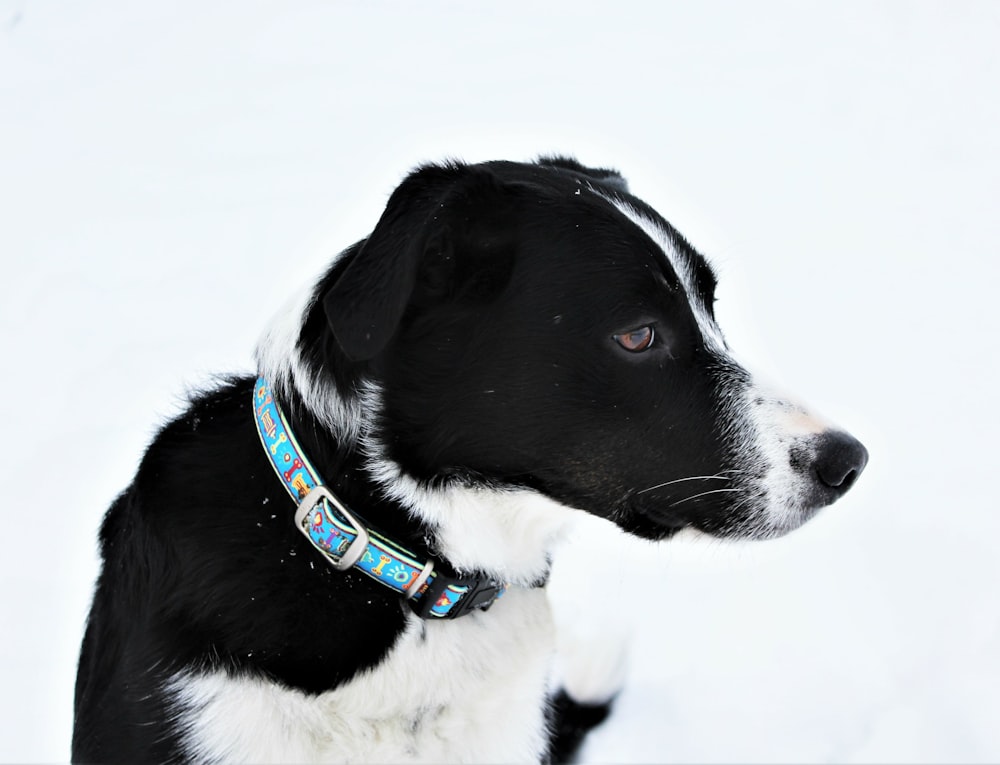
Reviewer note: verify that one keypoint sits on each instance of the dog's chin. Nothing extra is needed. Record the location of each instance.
(755, 522)
(762, 523)
(648, 525)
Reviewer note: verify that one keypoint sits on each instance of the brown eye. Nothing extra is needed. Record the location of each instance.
(637, 340)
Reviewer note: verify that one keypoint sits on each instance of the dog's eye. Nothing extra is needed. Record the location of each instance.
(636, 341)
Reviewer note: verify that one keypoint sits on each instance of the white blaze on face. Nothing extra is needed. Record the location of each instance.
(772, 438)
(654, 230)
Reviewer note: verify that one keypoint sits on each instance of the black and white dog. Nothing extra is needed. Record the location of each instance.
(512, 345)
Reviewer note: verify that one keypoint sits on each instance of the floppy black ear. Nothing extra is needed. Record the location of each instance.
(433, 225)
(605, 175)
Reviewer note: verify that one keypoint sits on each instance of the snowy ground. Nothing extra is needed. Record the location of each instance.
(840, 163)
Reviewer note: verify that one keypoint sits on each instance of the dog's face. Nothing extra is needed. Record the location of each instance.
(537, 326)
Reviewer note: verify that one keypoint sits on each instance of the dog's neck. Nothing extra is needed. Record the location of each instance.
(503, 533)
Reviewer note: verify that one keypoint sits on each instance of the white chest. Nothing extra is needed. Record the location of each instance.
(467, 690)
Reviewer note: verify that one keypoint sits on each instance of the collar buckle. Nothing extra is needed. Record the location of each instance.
(450, 598)
(346, 542)
(354, 549)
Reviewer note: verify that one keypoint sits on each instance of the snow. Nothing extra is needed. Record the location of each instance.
(172, 173)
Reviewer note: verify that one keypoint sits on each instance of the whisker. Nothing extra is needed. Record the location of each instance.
(703, 494)
(717, 477)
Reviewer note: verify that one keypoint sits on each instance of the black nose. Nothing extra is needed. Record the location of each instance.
(840, 458)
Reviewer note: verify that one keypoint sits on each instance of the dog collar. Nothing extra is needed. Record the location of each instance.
(346, 541)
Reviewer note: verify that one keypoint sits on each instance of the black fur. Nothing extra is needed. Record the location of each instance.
(485, 303)
(503, 279)
(571, 721)
(203, 568)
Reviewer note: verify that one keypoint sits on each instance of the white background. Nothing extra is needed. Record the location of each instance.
(171, 172)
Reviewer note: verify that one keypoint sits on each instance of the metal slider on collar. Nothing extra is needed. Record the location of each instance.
(349, 542)
(358, 545)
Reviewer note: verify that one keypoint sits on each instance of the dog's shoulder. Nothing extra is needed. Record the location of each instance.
(202, 572)
(467, 690)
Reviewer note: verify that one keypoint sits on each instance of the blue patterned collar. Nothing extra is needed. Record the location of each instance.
(346, 541)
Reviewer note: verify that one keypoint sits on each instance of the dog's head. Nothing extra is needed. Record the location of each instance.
(537, 326)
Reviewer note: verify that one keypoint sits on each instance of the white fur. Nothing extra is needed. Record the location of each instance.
(776, 426)
(279, 361)
(471, 689)
(592, 658)
(467, 690)
(763, 427)
(505, 532)
(709, 328)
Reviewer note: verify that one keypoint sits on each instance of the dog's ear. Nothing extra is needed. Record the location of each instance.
(604, 175)
(445, 230)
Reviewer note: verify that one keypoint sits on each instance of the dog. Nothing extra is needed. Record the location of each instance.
(344, 557)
